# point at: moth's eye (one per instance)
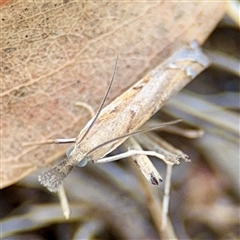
(69, 151)
(81, 163)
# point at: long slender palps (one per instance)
(53, 177)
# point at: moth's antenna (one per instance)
(54, 176)
(103, 101)
(134, 133)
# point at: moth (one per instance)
(114, 123)
(78, 156)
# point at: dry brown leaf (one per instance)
(57, 53)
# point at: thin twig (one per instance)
(166, 196)
(154, 206)
(221, 60)
(196, 106)
(87, 106)
(64, 202)
(233, 9)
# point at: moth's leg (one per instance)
(52, 141)
(129, 153)
(172, 154)
(144, 163)
(132, 152)
(61, 140)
